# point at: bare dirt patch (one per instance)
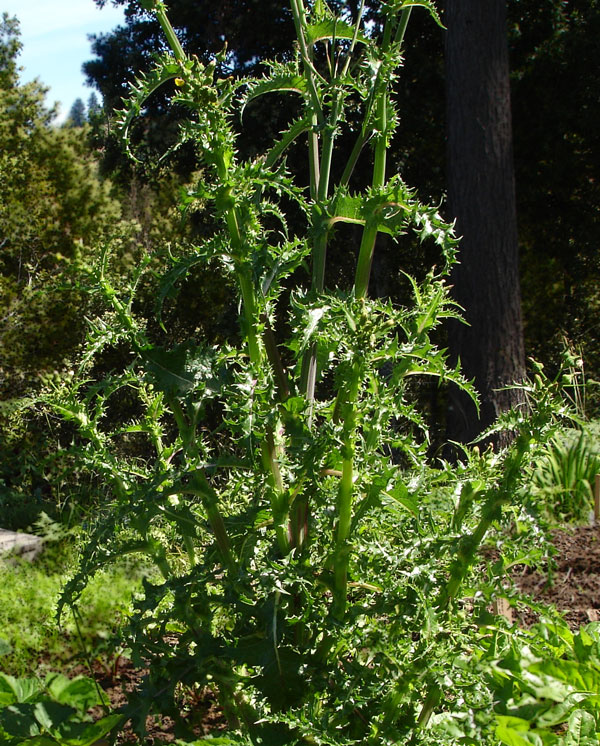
(573, 585)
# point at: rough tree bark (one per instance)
(481, 194)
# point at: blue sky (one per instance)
(55, 44)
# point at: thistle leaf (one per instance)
(141, 89)
(333, 29)
(284, 83)
(427, 4)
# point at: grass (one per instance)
(31, 642)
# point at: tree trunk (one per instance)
(482, 199)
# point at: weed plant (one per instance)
(316, 570)
(565, 475)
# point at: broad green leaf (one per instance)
(577, 675)
(515, 732)
(581, 730)
(86, 734)
(17, 690)
(80, 693)
(561, 711)
(7, 690)
(19, 720)
(51, 715)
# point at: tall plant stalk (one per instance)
(278, 504)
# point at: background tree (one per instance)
(482, 199)
(94, 108)
(77, 114)
(55, 211)
(556, 103)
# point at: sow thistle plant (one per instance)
(305, 576)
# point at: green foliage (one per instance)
(565, 475)
(30, 641)
(546, 683)
(54, 206)
(77, 115)
(54, 712)
(316, 571)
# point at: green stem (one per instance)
(369, 236)
(401, 30)
(169, 31)
(249, 304)
(359, 144)
(200, 486)
(279, 507)
(281, 379)
(345, 498)
(431, 702)
(365, 260)
(327, 152)
(190, 549)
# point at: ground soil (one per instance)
(572, 586)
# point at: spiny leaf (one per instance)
(333, 29)
(427, 4)
(291, 82)
(388, 208)
(141, 89)
(181, 369)
(288, 137)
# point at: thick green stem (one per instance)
(403, 23)
(279, 507)
(365, 261)
(327, 152)
(369, 236)
(169, 31)
(249, 305)
(345, 497)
